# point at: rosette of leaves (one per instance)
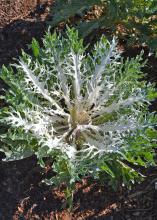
(86, 111)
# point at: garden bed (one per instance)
(22, 195)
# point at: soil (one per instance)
(22, 195)
(20, 20)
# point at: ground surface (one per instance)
(22, 196)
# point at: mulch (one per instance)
(22, 194)
(20, 20)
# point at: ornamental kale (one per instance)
(86, 111)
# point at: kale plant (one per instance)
(88, 111)
(134, 21)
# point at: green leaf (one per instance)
(107, 169)
(35, 47)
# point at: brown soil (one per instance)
(20, 20)
(22, 195)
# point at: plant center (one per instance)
(79, 117)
